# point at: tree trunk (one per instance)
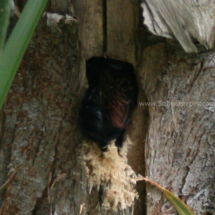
(41, 164)
(179, 89)
(180, 145)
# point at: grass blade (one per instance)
(4, 21)
(17, 44)
(178, 204)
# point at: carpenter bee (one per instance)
(109, 103)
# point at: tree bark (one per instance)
(190, 22)
(180, 143)
(40, 145)
(40, 159)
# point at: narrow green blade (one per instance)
(17, 44)
(178, 204)
(4, 21)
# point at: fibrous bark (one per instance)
(188, 21)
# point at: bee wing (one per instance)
(117, 97)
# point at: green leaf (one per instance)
(4, 21)
(17, 44)
(178, 204)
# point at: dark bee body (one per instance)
(110, 100)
